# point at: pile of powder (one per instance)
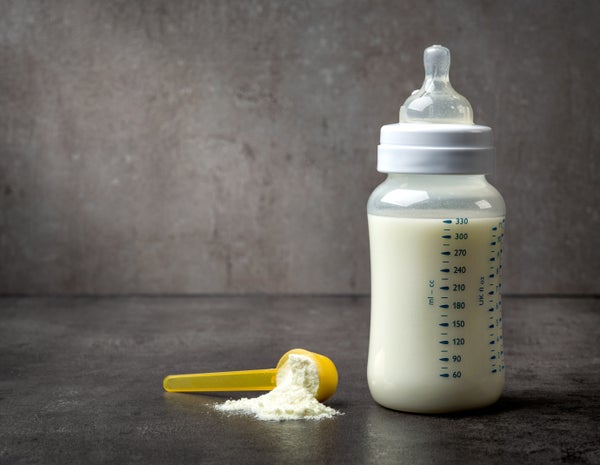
(292, 399)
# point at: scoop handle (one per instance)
(248, 380)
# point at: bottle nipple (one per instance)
(436, 101)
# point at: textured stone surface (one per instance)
(229, 146)
(80, 382)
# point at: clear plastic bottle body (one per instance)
(436, 326)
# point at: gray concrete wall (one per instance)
(229, 146)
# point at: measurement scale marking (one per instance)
(444, 288)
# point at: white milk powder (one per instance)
(292, 399)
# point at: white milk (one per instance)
(436, 326)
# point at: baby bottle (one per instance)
(435, 230)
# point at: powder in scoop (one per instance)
(292, 399)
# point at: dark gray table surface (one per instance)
(80, 382)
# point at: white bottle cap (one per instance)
(436, 134)
(436, 149)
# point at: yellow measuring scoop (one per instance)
(254, 380)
